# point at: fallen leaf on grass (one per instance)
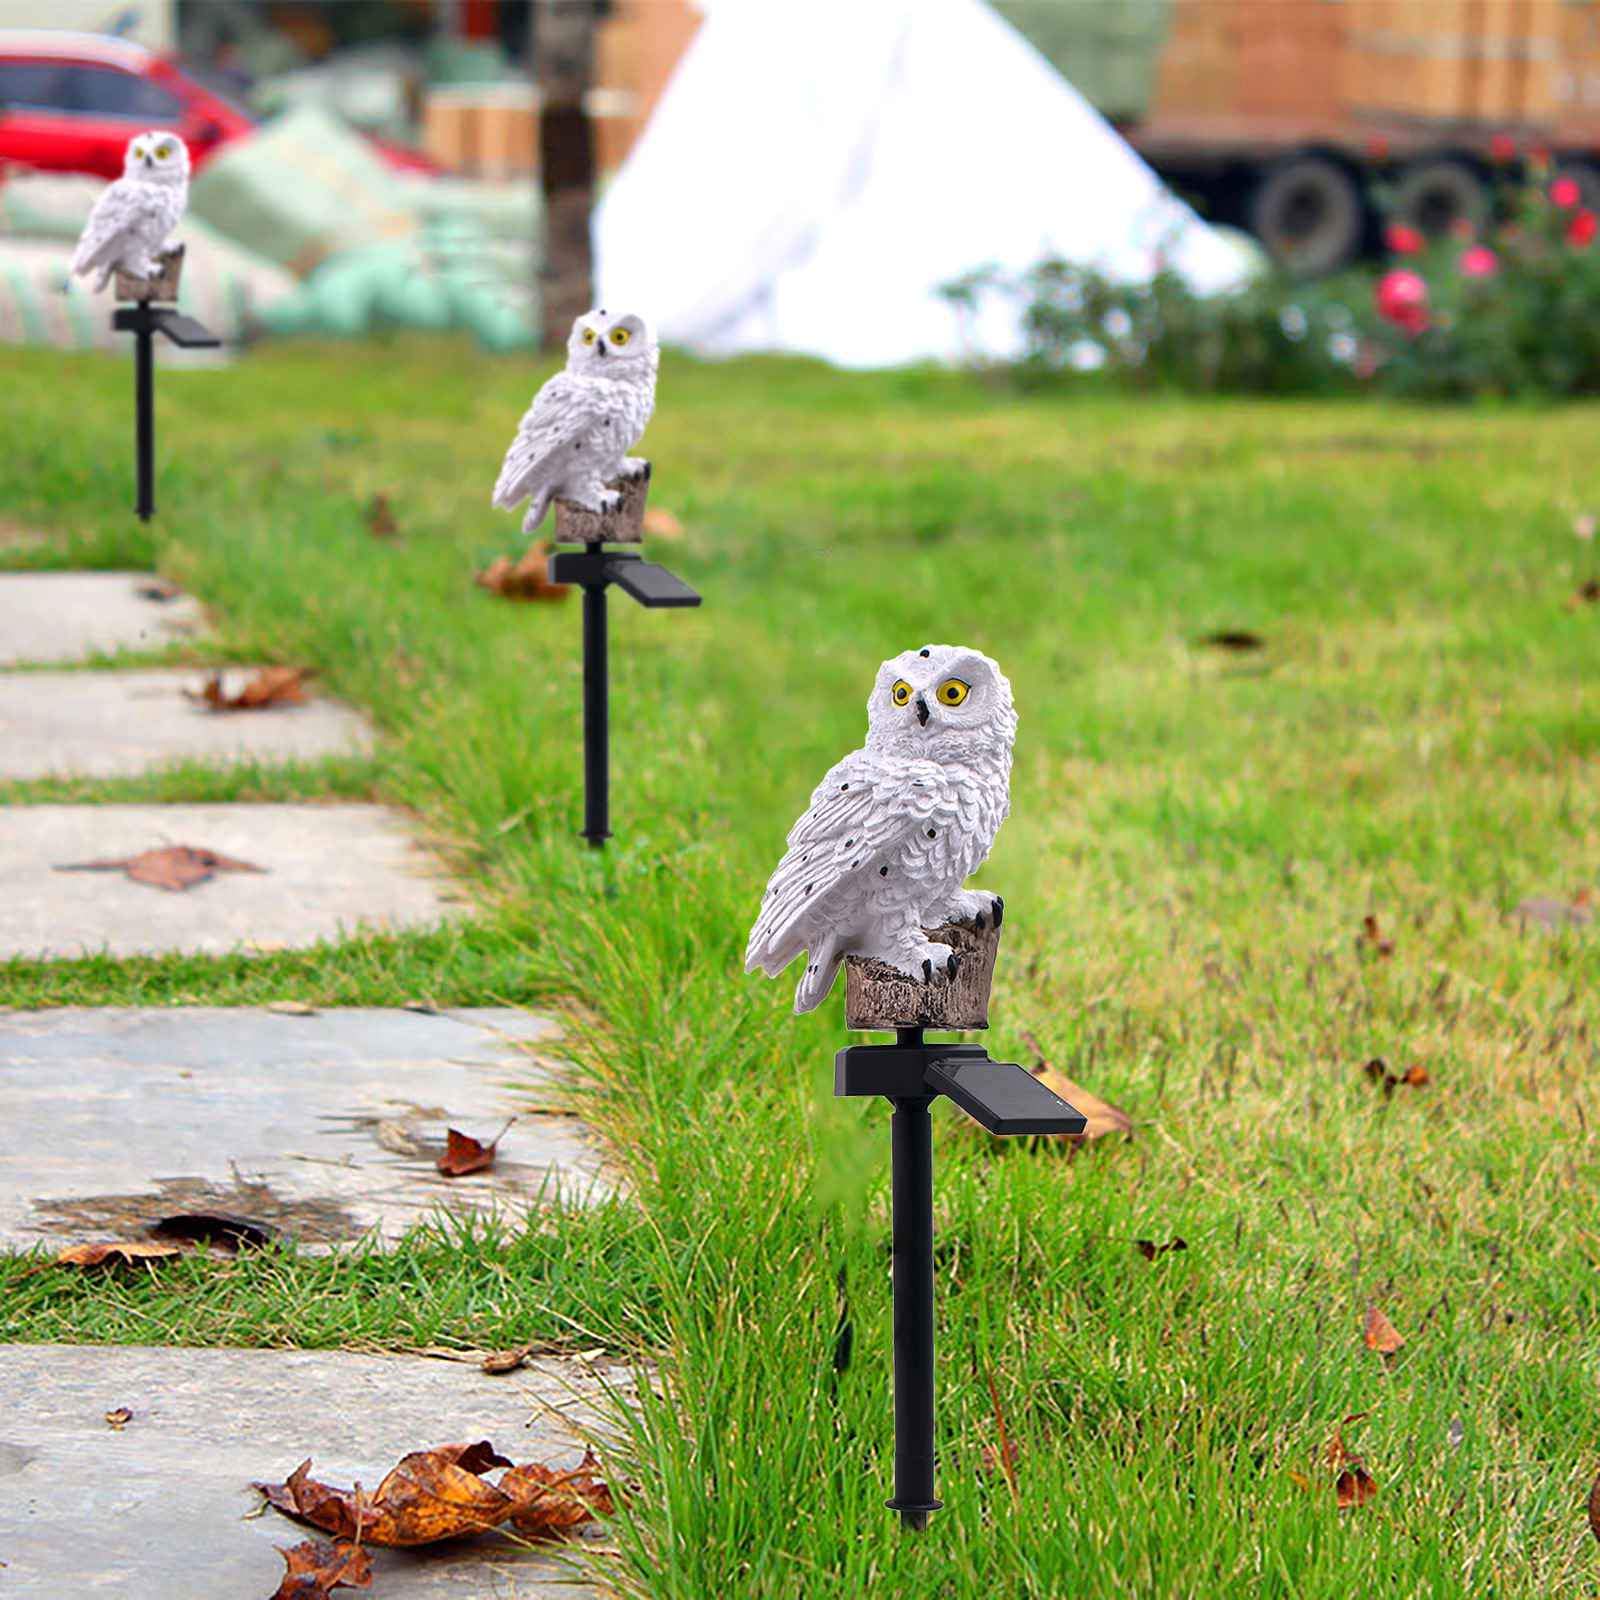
(1380, 1333)
(1353, 1485)
(315, 1569)
(442, 1494)
(1149, 1249)
(119, 1419)
(1585, 594)
(174, 867)
(499, 1362)
(464, 1154)
(527, 579)
(115, 1252)
(1234, 639)
(1594, 1508)
(1372, 938)
(660, 523)
(1100, 1116)
(271, 686)
(1414, 1077)
(380, 518)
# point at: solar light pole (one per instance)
(911, 1074)
(595, 569)
(143, 317)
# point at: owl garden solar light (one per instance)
(572, 449)
(873, 880)
(127, 237)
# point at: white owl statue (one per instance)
(896, 828)
(133, 220)
(576, 435)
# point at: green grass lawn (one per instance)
(1195, 841)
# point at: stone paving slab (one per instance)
(67, 616)
(108, 724)
(321, 1126)
(163, 1508)
(329, 868)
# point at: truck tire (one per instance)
(1434, 194)
(1308, 211)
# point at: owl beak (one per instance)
(600, 349)
(922, 711)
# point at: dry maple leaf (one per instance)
(1353, 1485)
(442, 1494)
(527, 579)
(464, 1154)
(1380, 1333)
(174, 867)
(115, 1252)
(268, 687)
(1100, 1116)
(1149, 1249)
(380, 518)
(315, 1569)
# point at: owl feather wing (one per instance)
(562, 415)
(123, 206)
(863, 810)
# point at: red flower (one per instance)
(1479, 262)
(1403, 239)
(1402, 298)
(1565, 193)
(1503, 149)
(1582, 229)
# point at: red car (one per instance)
(69, 102)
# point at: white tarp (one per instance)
(817, 168)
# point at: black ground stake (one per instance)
(1006, 1099)
(596, 569)
(144, 321)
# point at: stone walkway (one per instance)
(317, 1127)
(327, 870)
(162, 1509)
(113, 724)
(68, 616)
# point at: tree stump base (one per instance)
(163, 287)
(577, 524)
(877, 997)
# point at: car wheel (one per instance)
(1435, 195)
(1309, 213)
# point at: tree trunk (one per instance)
(563, 59)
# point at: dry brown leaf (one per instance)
(1353, 1485)
(1594, 1508)
(269, 687)
(174, 867)
(1414, 1077)
(660, 523)
(499, 1362)
(1149, 1249)
(1241, 639)
(115, 1252)
(527, 579)
(1372, 938)
(442, 1494)
(119, 1419)
(380, 518)
(1585, 594)
(315, 1569)
(464, 1154)
(1100, 1116)
(1380, 1333)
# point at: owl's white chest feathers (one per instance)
(624, 407)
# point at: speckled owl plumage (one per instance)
(133, 220)
(896, 828)
(576, 435)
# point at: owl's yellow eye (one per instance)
(901, 693)
(953, 691)
(588, 335)
(620, 336)
(163, 151)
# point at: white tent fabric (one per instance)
(818, 168)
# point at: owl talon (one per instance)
(999, 910)
(927, 972)
(953, 965)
